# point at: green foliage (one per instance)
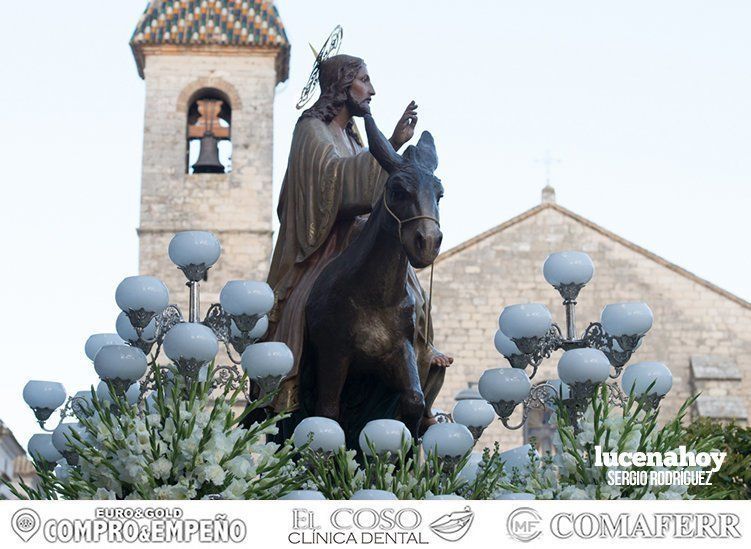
(406, 474)
(733, 480)
(631, 428)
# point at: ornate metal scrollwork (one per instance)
(616, 395)
(195, 273)
(569, 292)
(246, 323)
(617, 349)
(139, 319)
(232, 378)
(148, 383)
(541, 395)
(219, 322)
(536, 349)
(166, 320)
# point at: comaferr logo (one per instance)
(640, 525)
(524, 524)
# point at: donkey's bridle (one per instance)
(429, 300)
(401, 222)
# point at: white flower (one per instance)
(170, 492)
(567, 462)
(161, 468)
(587, 434)
(632, 441)
(574, 492)
(235, 490)
(610, 492)
(103, 493)
(240, 466)
(213, 473)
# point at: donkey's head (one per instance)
(411, 195)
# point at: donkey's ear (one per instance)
(381, 148)
(425, 152)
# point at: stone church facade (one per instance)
(700, 331)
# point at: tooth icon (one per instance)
(25, 523)
(453, 526)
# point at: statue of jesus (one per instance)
(329, 188)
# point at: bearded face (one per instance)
(344, 81)
(359, 93)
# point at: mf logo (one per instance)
(524, 524)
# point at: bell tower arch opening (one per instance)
(208, 147)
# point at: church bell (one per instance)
(208, 156)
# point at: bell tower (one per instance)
(211, 68)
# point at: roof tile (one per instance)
(239, 23)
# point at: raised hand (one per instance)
(405, 128)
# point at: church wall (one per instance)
(237, 206)
(472, 287)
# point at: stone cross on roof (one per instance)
(548, 193)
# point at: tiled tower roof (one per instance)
(200, 23)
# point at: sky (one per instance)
(645, 104)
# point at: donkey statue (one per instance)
(360, 315)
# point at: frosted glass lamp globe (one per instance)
(127, 332)
(568, 268)
(63, 430)
(447, 440)
(626, 319)
(504, 385)
(267, 359)
(638, 377)
(504, 345)
(120, 363)
(583, 365)
(246, 297)
(97, 341)
(190, 345)
(385, 435)
(141, 297)
(327, 434)
(40, 448)
(44, 396)
(304, 495)
(525, 321)
(473, 413)
(104, 395)
(194, 252)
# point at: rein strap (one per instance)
(428, 302)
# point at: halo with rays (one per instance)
(330, 47)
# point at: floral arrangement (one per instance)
(185, 441)
(406, 474)
(572, 474)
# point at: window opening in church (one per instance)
(209, 143)
(539, 428)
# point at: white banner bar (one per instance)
(274, 524)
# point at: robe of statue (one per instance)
(330, 185)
